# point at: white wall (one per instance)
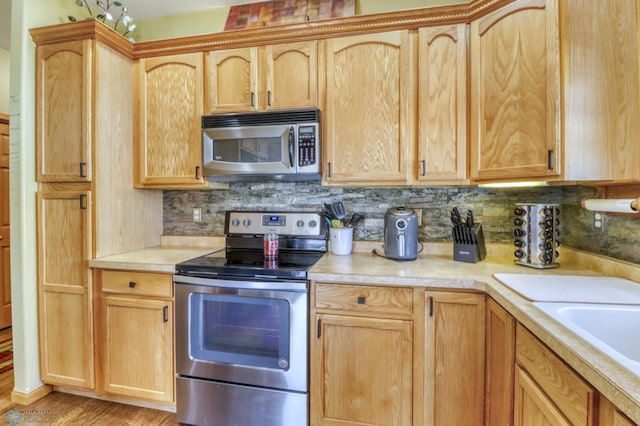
(5, 63)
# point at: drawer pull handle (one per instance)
(361, 300)
(165, 314)
(430, 306)
(132, 284)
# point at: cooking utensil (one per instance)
(355, 220)
(338, 209)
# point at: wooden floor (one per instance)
(65, 409)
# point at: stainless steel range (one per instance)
(242, 323)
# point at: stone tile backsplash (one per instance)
(618, 238)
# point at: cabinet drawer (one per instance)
(571, 394)
(363, 299)
(137, 283)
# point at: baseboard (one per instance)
(31, 397)
(171, 408)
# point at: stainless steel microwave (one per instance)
(261, 146)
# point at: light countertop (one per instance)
(434, 268)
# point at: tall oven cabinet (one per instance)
(86, 204)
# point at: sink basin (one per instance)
(612, 329)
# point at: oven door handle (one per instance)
(272, 285)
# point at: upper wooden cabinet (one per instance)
(515, 92)
(273, 77)
(551, 101)
(64, 131)
(442, 104)
(168, 136)
(368, 120)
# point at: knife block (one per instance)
(470, 249)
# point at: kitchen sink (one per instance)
(611, 328)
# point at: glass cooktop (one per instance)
(251, 264)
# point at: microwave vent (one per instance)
(260, 118)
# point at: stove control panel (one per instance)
(283, 223)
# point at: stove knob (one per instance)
(300, 223)
(246, 222)
(313, 224)
(235, 222)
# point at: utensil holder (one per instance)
(468, 244)
(536, 235)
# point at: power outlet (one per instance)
(197, 214)
(598, 221)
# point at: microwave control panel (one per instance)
(307, 145)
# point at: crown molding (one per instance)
(361, 24)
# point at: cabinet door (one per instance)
(515, 92)
(454, 358)
(232, 80)
(367, 123)
(569, 393)
(65, 316)
(137, 343)
(501, 358)
(532, 406)
(291, 75)
(5, 233)
(442, 103)
(63, 106)
(361, 371)
(169, 132)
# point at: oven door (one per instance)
(251, 333)
(251, 150)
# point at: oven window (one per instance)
(240, 330)
(248, 150)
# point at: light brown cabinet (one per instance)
(262, 78)
(168, 133)
(136, 334)
(64, 93)
(549, 101)
(546, 389)
(500, 342)
(64, 287)
(515, 92)
(454, 358)
(361, 355)
(368, 115)
(83, 211)
(442, 105)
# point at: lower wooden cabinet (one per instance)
(546, 388)
(500, 342)
(64, 286)
(454, 358)
(361, 355)
(136, 335)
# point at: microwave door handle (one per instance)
(291, 145)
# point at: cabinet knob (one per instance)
(361, 300)
(132, 284)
